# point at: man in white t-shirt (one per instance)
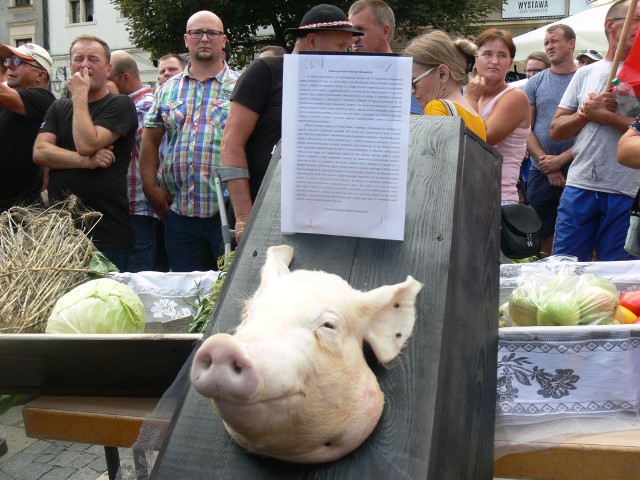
(594, 208)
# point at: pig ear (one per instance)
(275, 265)
(392, 315)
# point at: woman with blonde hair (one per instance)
(505, 109)
(441, 68)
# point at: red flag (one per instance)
(630, 70)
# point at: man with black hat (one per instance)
(254, 124)
(23, 102)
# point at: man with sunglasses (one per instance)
(23, 102)
(191, 108)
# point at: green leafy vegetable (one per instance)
(98, 306)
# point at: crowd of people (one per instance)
(145, 160)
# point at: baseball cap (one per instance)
(591, 53)
(29, 51)
(324, 17)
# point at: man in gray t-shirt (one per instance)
(550, 160)
(594, 207)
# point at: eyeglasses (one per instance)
(421, 76)
(635, 19)
(17, 61)
(533, 70)
(211, 34)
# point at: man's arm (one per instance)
(149, 163)
(533, 144)
(595, 108)
(629, 149)
(241, 123)
(87, 137)
(47, 154)
(11, 100)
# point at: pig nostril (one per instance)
(237, 368)
(398, 335)
(327, 444)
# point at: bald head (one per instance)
(124, 72)
(207, 17)
(205, 40)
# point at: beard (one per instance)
(206, 56)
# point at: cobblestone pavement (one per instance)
(34, 459)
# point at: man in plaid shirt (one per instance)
(192, 109)
(126, 76)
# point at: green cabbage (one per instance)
(98, 306)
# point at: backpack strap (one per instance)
(451, 108)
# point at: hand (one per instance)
(80, 82)
(549, 163)
(475, 88)
(594, 106)
(556, 179)
(159, 199)
(103, 158)
(241, 223)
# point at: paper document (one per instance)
(345, 144)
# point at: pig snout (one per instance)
(223, 370)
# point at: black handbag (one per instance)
(519, 237)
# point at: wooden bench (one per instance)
(115, 422)
(110, 421)
(610, 456)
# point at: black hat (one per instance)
(325, 17)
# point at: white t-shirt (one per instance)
(595, 165)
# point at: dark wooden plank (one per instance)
(440, 395)
(142, 365)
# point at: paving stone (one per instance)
(95, 449)
(57, 473)
(83, 474)
(37, 447)
(28, 471)
(16, 463)
(53, 449)
(82, 460)
(44, 458)
(65, 458)
(98, 465)
(6, 476)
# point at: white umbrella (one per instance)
(589, 28)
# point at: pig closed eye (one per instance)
(329, 325)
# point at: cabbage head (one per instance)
(98, 306)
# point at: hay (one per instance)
(43, 255)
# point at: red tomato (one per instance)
(631, 300)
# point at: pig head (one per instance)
(292, 382)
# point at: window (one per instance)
(80, 11)
(22, 41)
(22, 3)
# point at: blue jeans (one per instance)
(144, 251)
(118, 256)
(589, 220)
(193, 244)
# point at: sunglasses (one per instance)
(591, 51)
(17, 61)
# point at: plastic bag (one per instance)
(563, 299)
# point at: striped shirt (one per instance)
(138, 203)
(194, 114)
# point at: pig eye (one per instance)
(329, 325)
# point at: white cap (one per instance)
(29, 51)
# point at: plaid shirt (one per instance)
(194, 114)
(138, 203)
